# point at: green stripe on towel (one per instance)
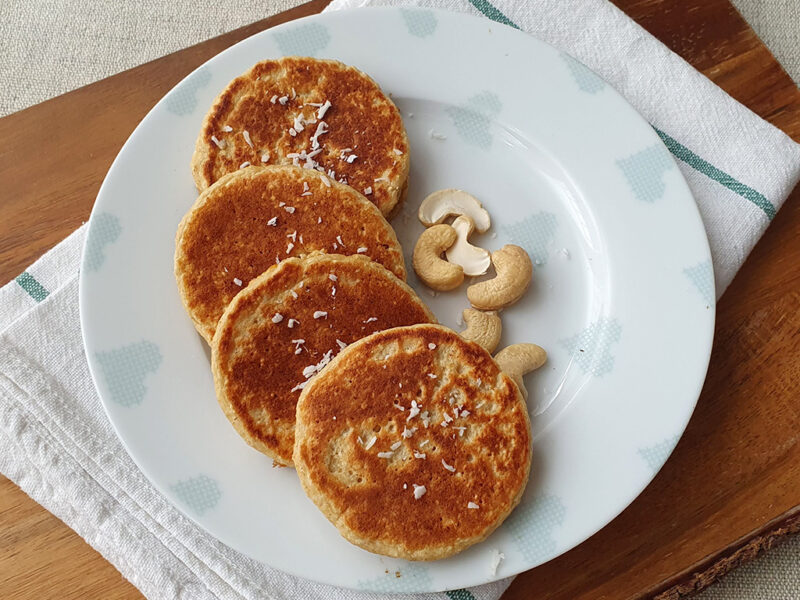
(712, 172)
(33, 287)
(492, 12)
(460, 595)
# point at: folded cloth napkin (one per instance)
(57, 444)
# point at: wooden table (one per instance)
(730, 490)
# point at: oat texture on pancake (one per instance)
(413, 443)
(287, 325)
(317, 114)
(256, 217)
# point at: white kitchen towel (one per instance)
(57, 444)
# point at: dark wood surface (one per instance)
(732, 486)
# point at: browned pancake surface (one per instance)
(361, 121)
(258, 369)
(368, 392)
(251, 219)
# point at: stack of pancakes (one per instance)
(408, 438)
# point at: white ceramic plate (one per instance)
(622, 297)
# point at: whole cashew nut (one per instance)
(444, 203)
(518, 359)
(483, 328)
(431, 268)
(514, 272)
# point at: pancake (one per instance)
(362, 449)
(364, 143)
(269, 344)
(251, 219)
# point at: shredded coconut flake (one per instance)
(464, 413)
(319, 314)
(332, 277)
(370, 443)
(423, 443)
(220, 143)
(237, 281)
(273, 222)
(289, 247)
(420, 455)
(274, 98)
(431, 346)
(460, 430)
(244, 164)
(497, 557)
(398, 152)
(367, 190)
(395, 446)
(227, 128)
(450, 468)
(381, 179)
(419, 491)
(432, 376)
(407, 433)
(277, 318)
(385, 454)
(265, 157)
(472, 505)
(292, 131)
(326, 181)
(339, 239)
(289, 209)
(323, 109)
(246, 136)
(342, 345)
(371, 319)
(293, 322)
(361, 250)
(299, 386)
(283, 100)
(351, 159)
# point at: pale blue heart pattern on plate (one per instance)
(104, 230)
(183, 100)
(303, 40)
(199, 493)
(413, 577)
(535, 233)
(586, 79)
(125, 370)
(702, 276)
(533, 525)
(473, 120)
(645, 172)
(591, 348)
(420, 23)
(657, 455)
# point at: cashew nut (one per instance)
(483, 328)
(440, 205)
(518, 359)
(514, 271)
(431, 268)
(474, 260)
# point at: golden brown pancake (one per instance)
(253, 121)
(269, 343)
(251, 219)
(385, 418)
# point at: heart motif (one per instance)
(535, 233)
(304, 40)
(125, 369)
(199, 493)
(533, 525)
(183, 100)
(473, 120)
(586, 79)
(655, 456)
(645, 172)
(420, 23)
(702, 276)
(413, 577)
(591, 348)
(104, 230)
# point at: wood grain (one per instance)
(731, 488)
